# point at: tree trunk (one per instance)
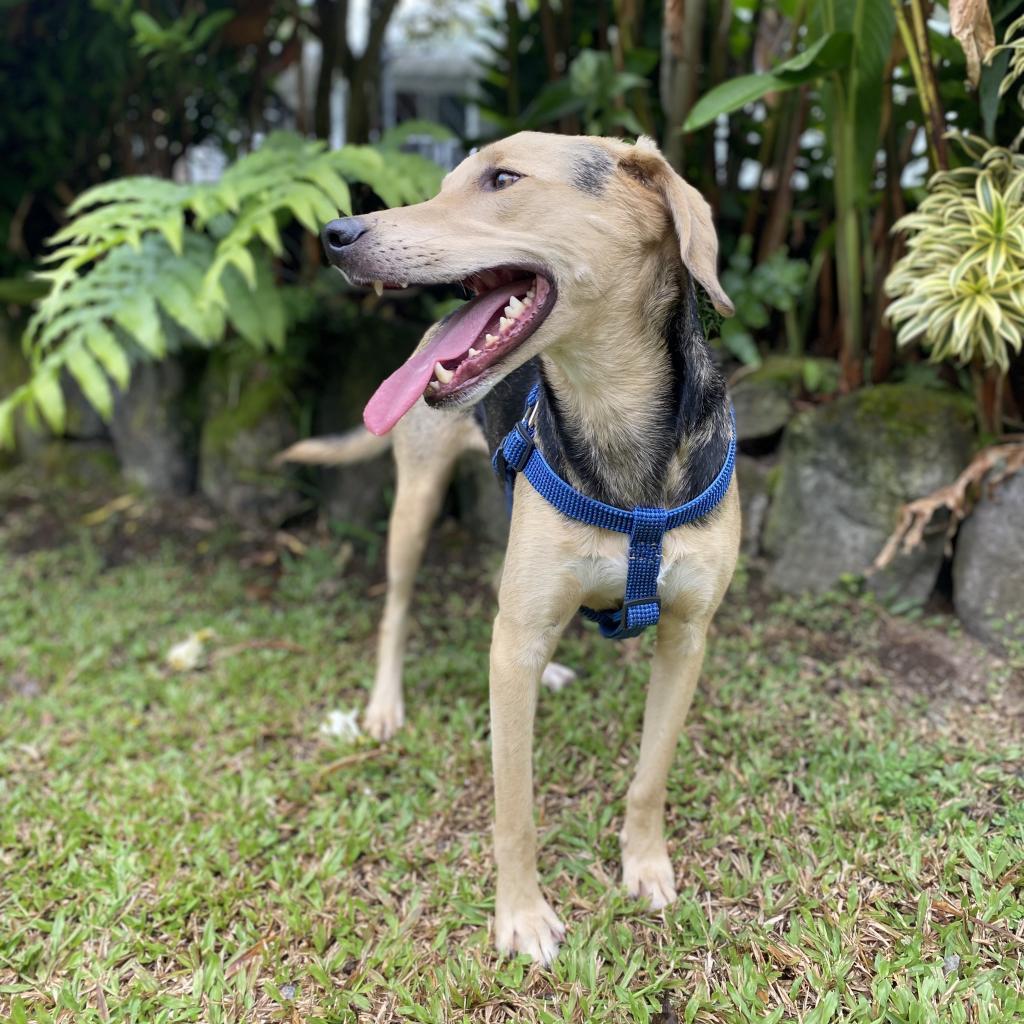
(681, 38)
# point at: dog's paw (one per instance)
(650, 878)
(382, 721)
(556, 676)
(533, 929)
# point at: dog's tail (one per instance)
(357, 445)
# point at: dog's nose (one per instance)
(341, 233)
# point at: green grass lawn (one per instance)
(845, 815)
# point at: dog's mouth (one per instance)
(508, 305)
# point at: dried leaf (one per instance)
(971, 23)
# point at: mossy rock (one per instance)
(151, 430)
(763, 398)
(251, 415)
(69, 465)
(846, 470)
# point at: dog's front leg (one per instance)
(520, 647)
(646, 868)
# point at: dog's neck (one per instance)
(637, 414)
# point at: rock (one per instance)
(150, 428)
(480, 498)
(763, 398)
(70, 465)
(81, 422)
(28, 440)
(988, 567)
(358, 495)
(754, 477)
(250, 417)
(845, 471)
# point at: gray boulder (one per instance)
(358, 495)
(763, 398)
(754, 477)
(149, 429)
(988, 568)
(845, 471)
(480, 498)
(250, 416)
(81, 421)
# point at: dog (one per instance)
(583, 255)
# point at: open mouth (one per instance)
(508, 305)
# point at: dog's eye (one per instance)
(502, 179)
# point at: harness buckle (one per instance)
(528, 445)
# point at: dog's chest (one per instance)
(686, 577)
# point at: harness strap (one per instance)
(646, 527)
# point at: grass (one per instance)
(846, 812)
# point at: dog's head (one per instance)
(544, 231)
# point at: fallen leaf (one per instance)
(187, 655)
(342, 725)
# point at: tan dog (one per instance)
(581, 253)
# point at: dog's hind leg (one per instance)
(646, 868)
(426, 446)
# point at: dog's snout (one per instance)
(341, 233)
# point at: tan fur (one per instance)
(335, 450)
(603, 356)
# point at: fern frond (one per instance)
(142, 258)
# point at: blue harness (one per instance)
(645, 527)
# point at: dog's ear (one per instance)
(691, 215)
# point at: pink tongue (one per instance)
(400, 392)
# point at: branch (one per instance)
(1005, 459)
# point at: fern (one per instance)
(142, 258)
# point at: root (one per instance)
(1001, 460)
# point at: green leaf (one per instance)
(105, 347)
(22, 291)
(139, 316)
(829, 53)
(395, 138)
(7, 436)
(49, 397)
(91, 380)
(172, 228)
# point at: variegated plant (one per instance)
(959, 290)
(1013, 41)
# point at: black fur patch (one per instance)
(700, 399)
(497, 412)
(696, 414)
(590, 170)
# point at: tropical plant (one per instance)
(959, 290)
(1013, 47)
(774, 284)
(143, 259)
(593, 90)
(847, 47)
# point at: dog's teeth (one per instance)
(434, 386)
(489, 340)
(503, 323)
(443, 375)
(515, 305)
(378, 287)
(473, 352)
